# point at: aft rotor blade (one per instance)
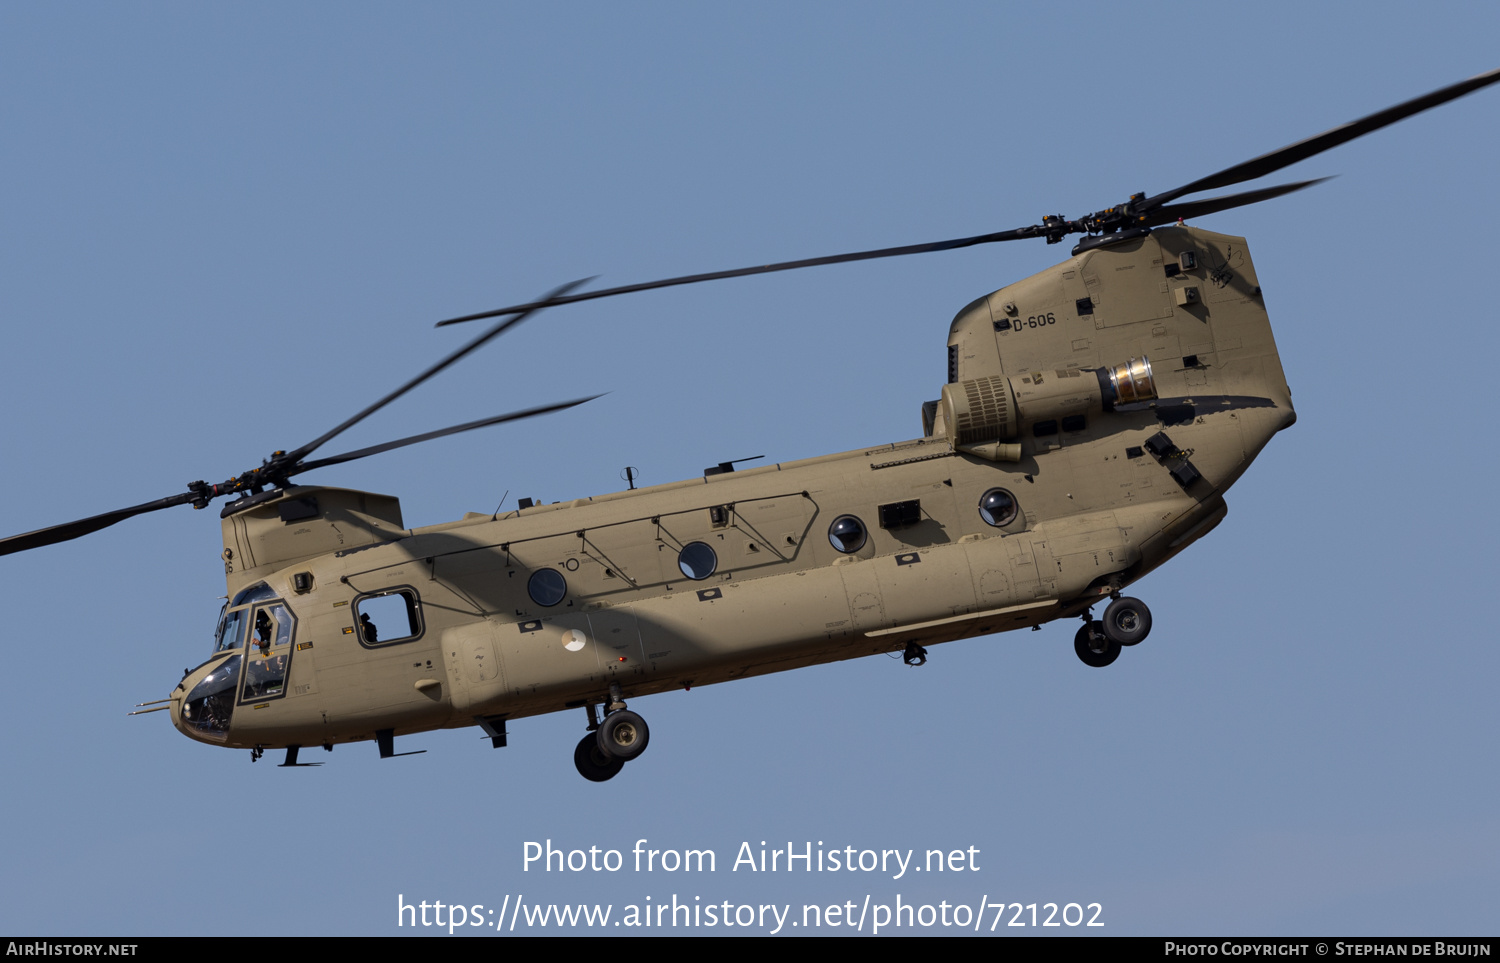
(84, 526)
(428, 436)
(1303, 149)
(552, 297)
(954, 244)
(1140, 212)
(1212, 205)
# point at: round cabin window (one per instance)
(998, 507)
(847, 534)
(697, 561)
(547, 587)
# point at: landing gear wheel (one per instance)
(593, 764)
(1094, 647)
(1127, 621)
(623, 735)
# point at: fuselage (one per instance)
(342, 623)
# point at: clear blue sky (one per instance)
(224, 229)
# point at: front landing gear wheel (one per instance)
(1093, 647)
(1127, 621)
(623, 735)
(594, 765)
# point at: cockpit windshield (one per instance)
(210, 706)
(256, 632)
(252, 593)
(231, 634)
(234, 619)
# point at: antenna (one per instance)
(724, 467)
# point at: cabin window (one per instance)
(547, 587)
(697, 561)
(847, 534)
(388, 617)
(998, 507)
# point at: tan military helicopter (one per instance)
(1093, 418)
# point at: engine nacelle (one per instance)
(985, 416)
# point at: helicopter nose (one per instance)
(203, 703)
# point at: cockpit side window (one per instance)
(271, 627)
(269, 655)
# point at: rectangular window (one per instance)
(391, 616)
(268, 656)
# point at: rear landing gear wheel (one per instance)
(1127, 621)
(592, 763)
(1094, 647)
(623, 735)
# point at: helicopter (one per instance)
(1093, 417)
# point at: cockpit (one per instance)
(255, 633)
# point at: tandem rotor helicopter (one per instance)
(1093, 417)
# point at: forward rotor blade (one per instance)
(1303, 149)
(954, 244)
(1212, 205)
(552, 297)
(428, 436)
(84, 526)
